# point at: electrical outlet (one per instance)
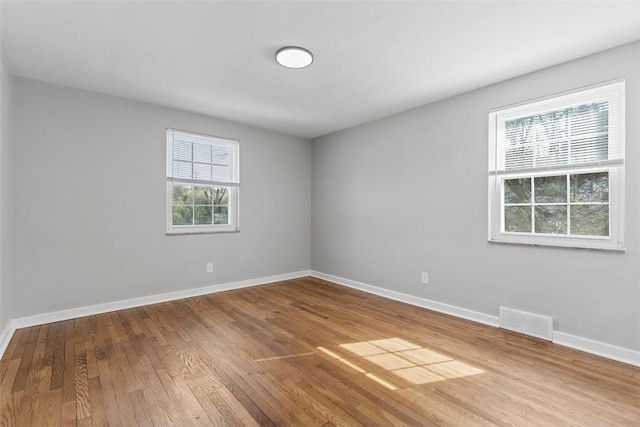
(425, 278)
(209, 267)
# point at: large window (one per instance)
(202, 183)
(556, 170)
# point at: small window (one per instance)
(556, 170)
(202, 183)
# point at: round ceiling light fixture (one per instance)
(294, 57)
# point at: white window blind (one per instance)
(576, 130)
(202, 160)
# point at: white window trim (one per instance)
(616, 170)
(233, 185)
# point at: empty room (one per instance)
(319, 213)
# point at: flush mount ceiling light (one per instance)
(294, 57)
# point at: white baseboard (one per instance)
(57, 316)
(608, 351)
(5, 336)
(598, 348)
(413, 300)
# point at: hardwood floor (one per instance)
(302, 353)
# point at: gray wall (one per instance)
(408, 193)
(89, 202)
(5, 195)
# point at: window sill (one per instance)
(620, 250)
(186, 232)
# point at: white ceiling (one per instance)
(372, 59)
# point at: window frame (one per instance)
(233, 184)
(615, 169)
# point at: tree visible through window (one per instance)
(569, 204)
(197, 205)
(556, 168)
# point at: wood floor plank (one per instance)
(91, 344)
(10, 411)
(18, 343)
(303, 352)
(98, 414)
(57, 345)
(9, 377)
(68, 376)
(68, 413)
(53, 408)
(26, 359)
(205, 411)
(83, 403)
(107, 393)
(182, 406)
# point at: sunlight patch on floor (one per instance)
(358, 369)
(284, 357)
(409, 361)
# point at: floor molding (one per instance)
(73, 313)
(597, 348)
(413, 300)
(5, 336)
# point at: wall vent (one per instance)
(531, 324)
